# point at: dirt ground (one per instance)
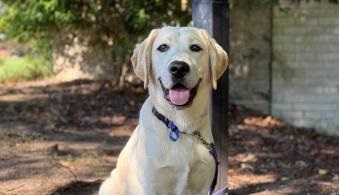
(63, 139)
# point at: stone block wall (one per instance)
(83, 54)
(305, 85)
(250, 57)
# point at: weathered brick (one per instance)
(249, 68)
(328, 21)
(303, 122)
(282, 107)
(293, 114)
(305, 68)
(283, 39)
(314, 115)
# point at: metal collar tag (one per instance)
(174, 133)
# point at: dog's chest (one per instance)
(182, 165)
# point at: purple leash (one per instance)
(214, 154)
(174, 135)
(223, 191)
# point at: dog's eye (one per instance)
(195, 48)
(163, 48)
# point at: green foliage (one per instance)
(33, 19)
(40, 19)
(121, 20)
(143, 15)
(331, 1)
(255, 3)
(117, 24)
(24, 68)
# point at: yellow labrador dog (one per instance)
(169, 151)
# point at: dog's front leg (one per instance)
(110, 187)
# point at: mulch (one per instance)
(78, 129)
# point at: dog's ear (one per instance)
(142, 57)
(218, 58)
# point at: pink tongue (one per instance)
(179, 96)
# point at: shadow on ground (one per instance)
(267, 156)
(64, 139)
(79, 188)
(58, 136)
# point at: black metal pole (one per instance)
(213, 15)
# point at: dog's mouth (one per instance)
(179, 94)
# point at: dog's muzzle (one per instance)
(179, 95)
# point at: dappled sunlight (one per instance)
(76, 131)
(55, 134)
(60, 136)
(237, 180)
(268, 122)
(21, 98)
(267, 156)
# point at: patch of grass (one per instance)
(24, 68)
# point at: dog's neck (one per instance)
(191, 118)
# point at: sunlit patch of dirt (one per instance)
(265, 122)
(55, 138)
(268, 156)
(64, 139)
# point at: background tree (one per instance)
(117, 24)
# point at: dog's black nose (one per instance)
(179, 69)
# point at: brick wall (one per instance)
(305, 90)
(250, 57)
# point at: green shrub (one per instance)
(124, 21)
(24, 68)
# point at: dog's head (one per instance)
(177, 61)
